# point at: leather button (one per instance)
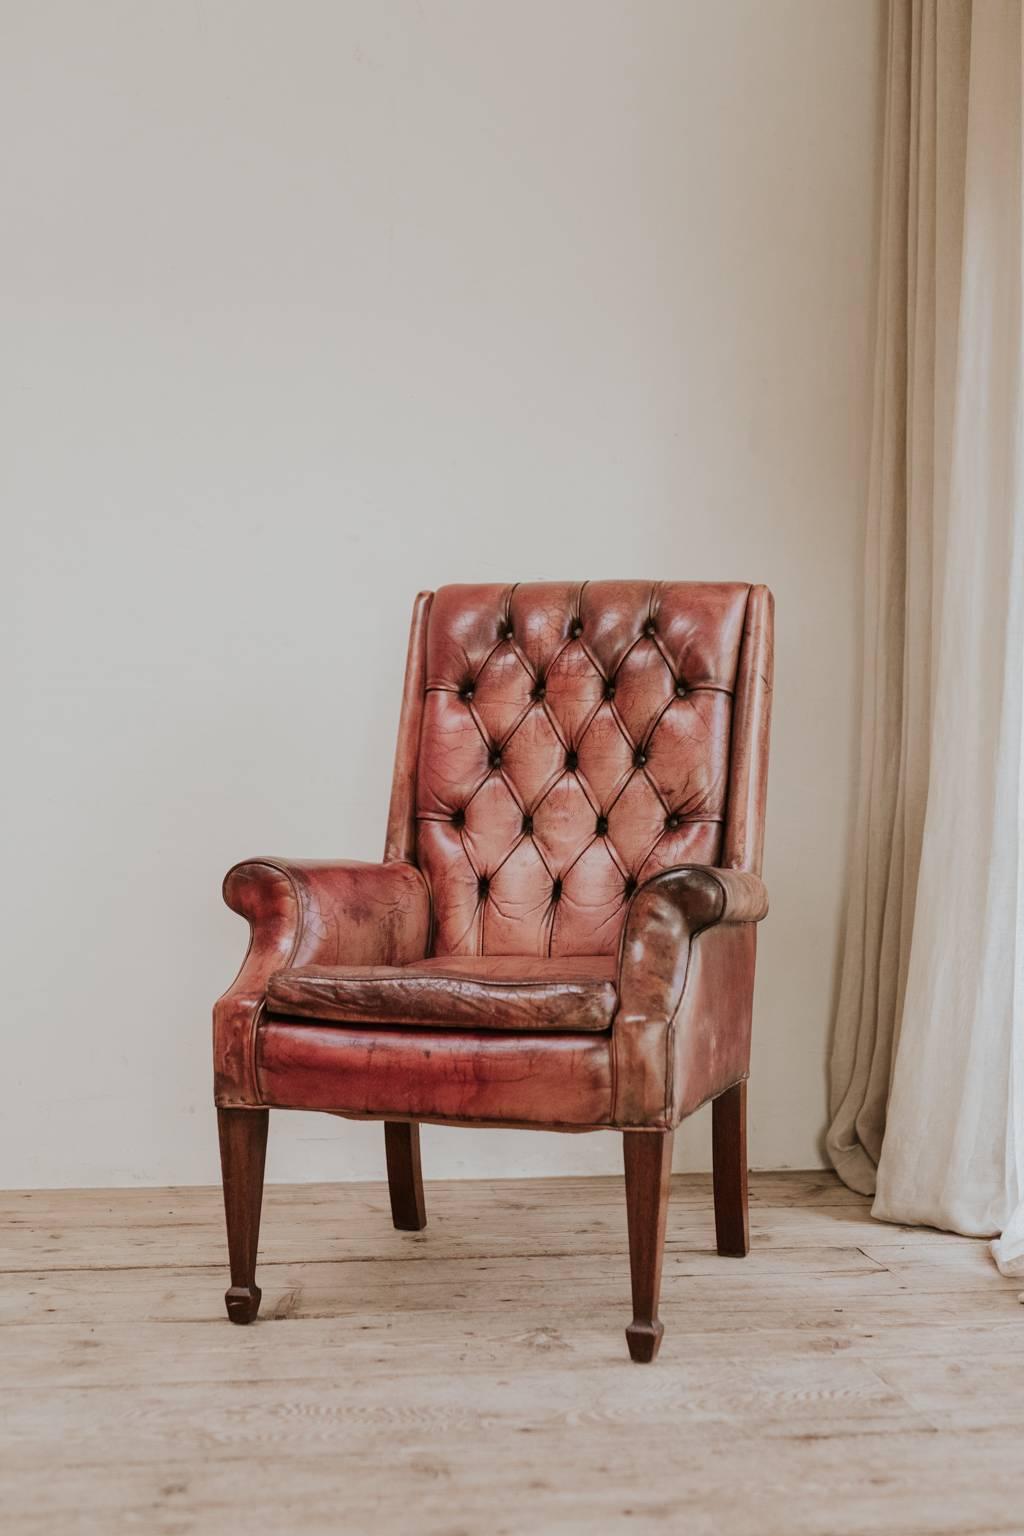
(649, 629)
(639, 757)
(602, 825)
(466, 691)
(576, 630)
(681, 689)
(572, 760)
(483, 885)
(527, 825)
(556, 891)
(539, 690)
(458, 818)
(505, 632)
(609, 689)
(495, 757)
(673, 821)
(630, 886)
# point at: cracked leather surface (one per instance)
(508, 992)
(575, 741)
(563, 931)
(301, 913)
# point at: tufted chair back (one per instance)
(560, 743)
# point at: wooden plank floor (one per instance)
(847, 1377)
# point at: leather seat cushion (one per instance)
(493, 992)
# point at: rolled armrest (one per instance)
(665, 916)
(319, 913)
(309, 913)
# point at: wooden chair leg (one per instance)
(648, 1157)
(729, 1156)
(405, 1181)
(243, 1152)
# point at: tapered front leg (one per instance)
(243, 1152)
(648, 1156)
(405, 1180)
(729, 1156)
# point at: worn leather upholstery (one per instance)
(575, 741)
(306, 912)
(563, 930)
(557, 1081)
(508, 992)
(686, 970)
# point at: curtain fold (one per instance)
(926, 1072)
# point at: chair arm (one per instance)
(308, 913)
(665, 916)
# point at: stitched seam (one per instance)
(437, 1026)
(482, 1121)
(322, 982)
(673, 1017)
(416, 776)
(670, 1077)
(730, 795)
(261, 1008)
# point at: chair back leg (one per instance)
(729, 1154)
(405, 1180)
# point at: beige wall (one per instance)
(309, 305)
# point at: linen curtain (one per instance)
(927, 1071)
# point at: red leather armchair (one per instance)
(562, 932)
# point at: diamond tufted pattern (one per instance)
(574, 742)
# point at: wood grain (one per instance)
(405, 1176)
(243, 1156)
(731, 1178)
(648, 1167)
(848, 1378)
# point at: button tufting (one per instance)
(540, 720)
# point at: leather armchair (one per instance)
(562, 933)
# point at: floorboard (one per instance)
(847, 1378)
